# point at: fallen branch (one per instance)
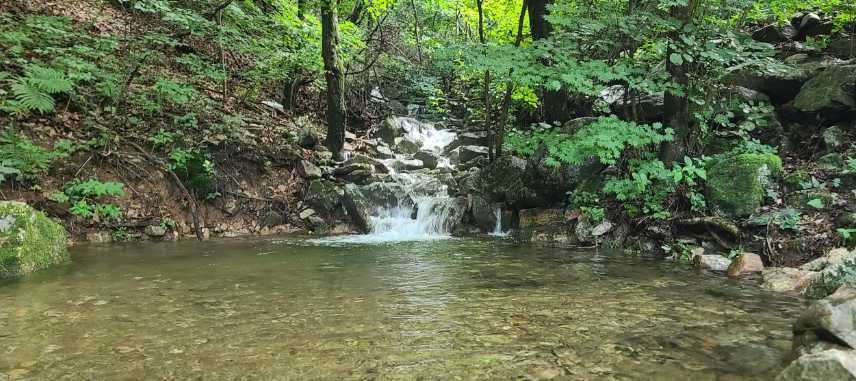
(711, 223)
(190, 199)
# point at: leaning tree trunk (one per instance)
(334, 73)
(677, 107)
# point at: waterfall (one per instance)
(497, 229)
(422, 209)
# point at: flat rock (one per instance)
(782, 279)
(711, 262)
(307, 170)
(745, 263)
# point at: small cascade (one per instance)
(497, 229)
(415, 205)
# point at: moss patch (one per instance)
(29, 240)
(737, 185)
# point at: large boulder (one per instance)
(358, 208)
(832, 92)
(832, 277)
(469, 153)
(406, 146)
(428, 158)
(325, 197)
(387, 195)
(737, 185)
(782, 279)
(832, 319)
(307, 170)
(29, 240)
(393, 127)
(484, 213)
(480, 138)
(648, 107)
(828, 365)
(770, 34)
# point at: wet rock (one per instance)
(324, 196)
(832, 319)
(711, 262)
(484, 213)
(745, 263)
(349, 167)
(387, 195)
(737, 185)
(29, 240)
(480, 138)
(272, 218)
(823, 366)
(539, 217)
(307, 170)
(832, 277)
(469, 153)
(830, 92)
(429, 159)
(769, 34)
(358, 208)
(783, 279)
(407, 164)
(307, 213)
(156, 231)
(394, 127)
(383, 152)
(406, 146)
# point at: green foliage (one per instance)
(34, 90)
(121, 234)
(21, 158)
(86, 199)
(815, 203)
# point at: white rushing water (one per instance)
(497, 229)
(427, 210)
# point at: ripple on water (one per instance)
(339, 309)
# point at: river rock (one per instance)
(307, 213)
(479, 138)
(468, 153)
(540, 217)
(358, 208)
(711, 262)
(29, 240)
(832, 319)
(407, 164)
(307, 170)
(383, 152)
(324, 196)
(736, 186)
(745, 263)
(831, 92)
(394, 127)
(823, 366)
(406, 146)
(484, 213)
(387, 195)
(782, 279)
(156, 231)
(428, 158)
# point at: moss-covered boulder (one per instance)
(29, 240)
(737, 185)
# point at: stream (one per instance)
(295, 308)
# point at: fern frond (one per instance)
(46, 79)
(32, 97)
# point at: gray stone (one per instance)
(405, 146)
(769, 34)
(307, 213)
(324, 196)
(407, 164)
(783, 279)
(604, 227)
(831, 91)
(468, 153)
(712, 262)
(484, 213)
(271, 219)
(832, 319)
(834, 137)
(383, 152)
(155, 231)
(822, 366)
(479, 138)
(428, 158)
(649, 107)
(358, 208)
(307, 170)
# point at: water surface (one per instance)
(291, 309)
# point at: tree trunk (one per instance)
(334, 73)
(677, 108)
(300, 5)
(502, 118)
(486, 91)
(416, 31)
(554, 103)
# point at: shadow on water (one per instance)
(292, 308)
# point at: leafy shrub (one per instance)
(86, 199)
(21, 158)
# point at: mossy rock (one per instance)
(737, 185)
(794, 181)
(833, 277)
(29, 240)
